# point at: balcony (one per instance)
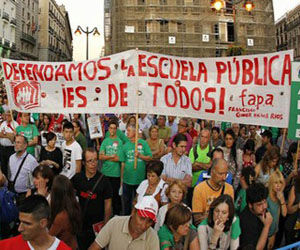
(13, 46)
(28, 38)
(5, 16)
(13, 21)
(6, 43)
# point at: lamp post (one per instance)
(79, 31)
(218, 5)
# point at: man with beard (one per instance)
(255, 220)
(207, 191)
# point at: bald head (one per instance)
(219, 170)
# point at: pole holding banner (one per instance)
(136, 129)
(296, 158)
(283, 141)
(136, 138)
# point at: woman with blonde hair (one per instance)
(268, 164)
(177, 231)
(175, 192)
(157, 146)
(276, 203)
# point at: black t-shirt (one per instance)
(95, 208)
(259, 154)
(251, 228)
(55, 156)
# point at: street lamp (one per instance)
(79, 31)
(220, 4)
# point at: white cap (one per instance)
(147, 207)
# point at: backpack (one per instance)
(8, 207)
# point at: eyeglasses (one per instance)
(92, 161)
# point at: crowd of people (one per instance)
(182, 184)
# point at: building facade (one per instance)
(288, 32)
(27, 30)
(55, 32)
(8, 24)
(188, 27)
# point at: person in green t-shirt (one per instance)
(247, 177)
(120, 135)
(29, 131)
(177, 229)
(203, 160)
(111, 155)
(132, 176)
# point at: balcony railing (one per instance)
(28, 38)
(6, 43)
(13, 46)
(5, 16)
(13, 21)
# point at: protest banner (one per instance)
(294, 121)
(95, 128)
(252, 89)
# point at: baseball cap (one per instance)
(147, 207)
(267, 133)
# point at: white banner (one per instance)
(252, 89)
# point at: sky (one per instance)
(90, 13)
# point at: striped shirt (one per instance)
(179, 170)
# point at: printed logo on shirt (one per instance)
(115, 144)
(140, 147)
(67, 160)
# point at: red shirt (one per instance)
(56, 124)
(193, 133)
(17, 243)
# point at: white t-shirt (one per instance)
(7, 129)
(162, 185)
(52, 247)
(71, 153)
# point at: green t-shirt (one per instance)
(135, 176)
(240, 202)
(80, 138)
(225, 126)
(120, 134)
(166, 238)
(29, 132)
(164, 133)
(202, 157)
(111, 147)
(1, 109)
(35, 116)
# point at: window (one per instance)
(250, 30)
(164, 26)
(181, 27)
(230, 32)
(218, 52)
(197, 28)
(216, 31)
(229, 6)
(141, 26)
